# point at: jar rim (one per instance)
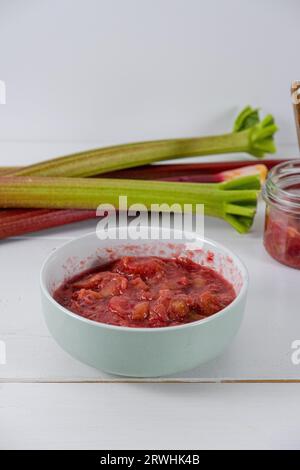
(277, 188)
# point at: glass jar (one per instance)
(281, 193)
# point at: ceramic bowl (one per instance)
(141, 352)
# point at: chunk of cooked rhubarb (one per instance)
(140, 311)
(141, 266)
(121, 305)
(178, 307)
(106, 283)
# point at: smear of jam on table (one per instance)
(146, 292)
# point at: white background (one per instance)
(86, 73)
(114, 71)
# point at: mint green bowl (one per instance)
(141, 352)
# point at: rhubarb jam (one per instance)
(146, 292)
(282, 223)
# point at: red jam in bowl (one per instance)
(146, 292)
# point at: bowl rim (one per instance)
(128, 329)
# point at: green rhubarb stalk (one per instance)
(249, 135)
(234, 201)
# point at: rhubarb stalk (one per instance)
(188, 170)
(247, 127)
(15, 222)
(234, 201)
(250, 135)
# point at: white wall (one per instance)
(119, 70)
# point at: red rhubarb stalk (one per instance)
(161, 171)
(16, 222)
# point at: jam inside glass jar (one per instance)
(281, 193)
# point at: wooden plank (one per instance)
(141, 416)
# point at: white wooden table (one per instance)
(247, 398)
